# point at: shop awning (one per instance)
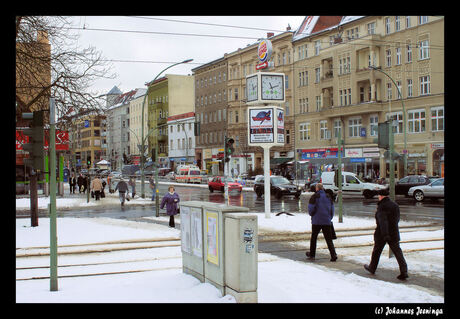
(280, 160)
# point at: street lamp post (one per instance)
(143, 141)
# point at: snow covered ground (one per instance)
(279, 280)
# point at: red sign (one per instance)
(262, 65)
(62, 140)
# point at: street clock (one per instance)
(265, 88)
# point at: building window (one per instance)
(317, 47)
(318, 103)
(397, 23)
(416, 121)
(389, 91)
(425, 85)
(387, 25)
(409, 54)
(408, 24)
(371, 28)
(354, 127)
(437, 118)
(424, 52)
(398, 56)
(322, 129)
(373, 125)
(388, 57)
(304, 130)
(422, 19)
(317, 75)
(409, 88)
(337, 128)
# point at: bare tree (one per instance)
(48, 63)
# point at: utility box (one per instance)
(219, 246)
(241, 247)
(191, 225)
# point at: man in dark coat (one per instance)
(321, 210)
(80, 181)
(387, 231)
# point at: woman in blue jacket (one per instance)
(321, 210)
(171, 199)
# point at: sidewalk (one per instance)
(280, 280)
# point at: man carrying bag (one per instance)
(321, 210)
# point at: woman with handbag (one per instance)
(321, 210)
(171, 200)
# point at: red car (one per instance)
(218, 183)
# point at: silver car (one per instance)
(433, 190)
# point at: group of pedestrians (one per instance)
(321, 210)
(81, 181)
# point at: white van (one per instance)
(351, 184)
(188, 174)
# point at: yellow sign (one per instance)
(212, 236)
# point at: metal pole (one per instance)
(53, 226)
(267, 181)
(339, 171)
(157, 197)
(392, 162)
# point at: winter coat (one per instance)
(80, 180)
(72, 181)
(96, 185)
(321, 208)
(171, 202)
(122, 187)
(387, 218)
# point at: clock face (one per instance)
(252, 87)
(272, 87)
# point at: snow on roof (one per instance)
(305, 28)
(347, 19)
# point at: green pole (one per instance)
(53, 226)
(392, 162)
(339, 171)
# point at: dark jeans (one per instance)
(97, 194)
(377, 251)
(327, 233)
(171, 221)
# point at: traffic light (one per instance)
(36, 136)
(228, 149)
(88, 161)
(383, 139)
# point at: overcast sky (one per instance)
(159, 46)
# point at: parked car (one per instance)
(218, 183)
(279, 186)
(433, 190)
(403, 185)
(115, 174)
(351, 184)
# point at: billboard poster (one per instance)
(280, 119)
(196, 237)
(261, 126)
(185, 229)
(212, 238)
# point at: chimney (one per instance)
(270, 34)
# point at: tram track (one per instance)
(172, 259)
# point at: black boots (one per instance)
(402, 276)
(310, 257)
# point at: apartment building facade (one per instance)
(135, 123)
(167, 96)
(211, 112)
(335, 90)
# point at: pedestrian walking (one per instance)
(122, 189)
(96, 187)
(321, 210)
(132, 183)
(171, 199)
(152, 186)
(85, 183)
(72, 183)
(387, 231)
(80, 181)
